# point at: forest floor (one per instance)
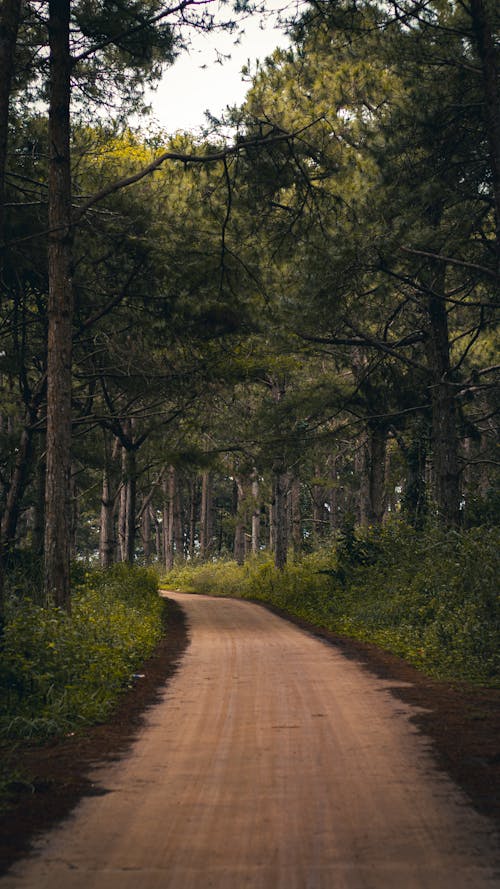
(463, 722)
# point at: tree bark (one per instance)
(59, 313)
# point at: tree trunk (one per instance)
(10, 14)
(272, 527)
(334, 495)
(414, 499)
(361, 461)
(192, 517)
(280, 485)
(178, 516)
(131, 500)
(16, 489)
(296, 517)
(255, 513)
(239, 530)
(318, 511)
(106, 531)
(168, 519)
(74, 513)
(146, 533)
(39, 507)
(377, 449)
(206, 516)
(158, 537)
(122, 509)
(444, 421)
(59, 313)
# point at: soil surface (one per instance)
(463, 723)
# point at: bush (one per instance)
(60, 671)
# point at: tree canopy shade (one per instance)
(256, 340)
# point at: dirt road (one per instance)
(273, 762)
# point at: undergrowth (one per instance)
(431, 597)
(59, 672)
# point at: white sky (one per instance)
(188, 89)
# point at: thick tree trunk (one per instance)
(10, 14)
(59, 312)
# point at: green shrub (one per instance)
(58, 671)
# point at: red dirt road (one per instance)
(272, 762)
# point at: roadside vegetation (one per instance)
(428, 596)
(60, 671)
